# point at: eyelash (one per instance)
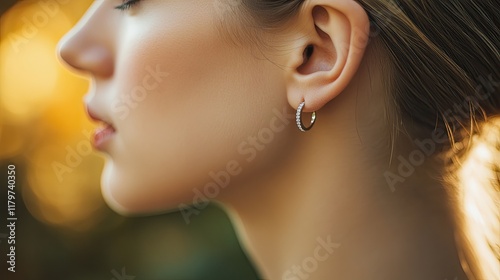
(127, 4)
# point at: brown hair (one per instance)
(444, 59)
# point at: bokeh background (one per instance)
(64, 228)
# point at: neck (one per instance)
(325, 210)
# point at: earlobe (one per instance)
(331, 49)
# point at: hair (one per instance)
(443, 57)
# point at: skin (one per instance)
(209, 103)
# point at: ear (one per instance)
(332, 38)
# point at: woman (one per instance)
(210, 99)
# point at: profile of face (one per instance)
(182, 102)
(177, 102)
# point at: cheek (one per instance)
(182, 112)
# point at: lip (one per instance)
(102, 134)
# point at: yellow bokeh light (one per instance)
(28, 66)
(21, 98)
(42, 114)
(67, 199)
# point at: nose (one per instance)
(87, 48)
(86, 57)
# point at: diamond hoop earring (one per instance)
(298, 118)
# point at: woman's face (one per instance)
(183, 102)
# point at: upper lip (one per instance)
(95, 116)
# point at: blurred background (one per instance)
(64, 229)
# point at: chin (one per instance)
(109, 190)
(119, 192)
(127, 196)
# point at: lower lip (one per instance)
(102, 136)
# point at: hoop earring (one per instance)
(298, 118)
